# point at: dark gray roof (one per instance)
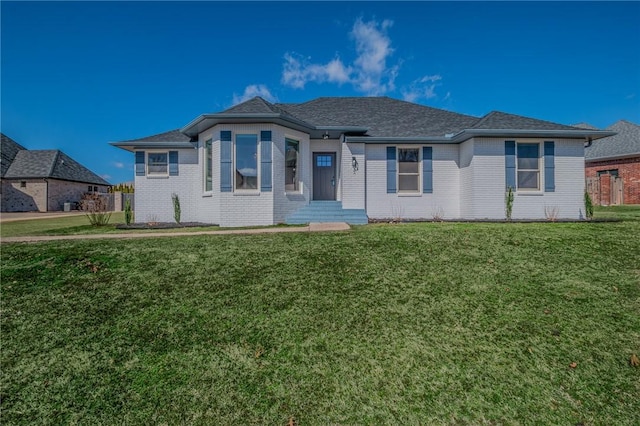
(368, 119)
(585, 126)
(50, 164)
(503, 120)
(170, 136)
(8, 152)
(625, 143)
(383, 116)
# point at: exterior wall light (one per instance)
(354, 164)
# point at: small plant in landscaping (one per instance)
(437, 214)
(176, 207)
(508, 199)
(96, 208)
(152, 220)
(128, 213)
(397, 212)
(588, 205)
(551, 213)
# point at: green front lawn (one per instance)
(77, 225)
(436, 323)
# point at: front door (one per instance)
(324, 176)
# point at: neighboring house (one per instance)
(43, 180)
(612, 165)
(354, 159)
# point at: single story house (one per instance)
(358, 158)
(612, 165)
(42, 180)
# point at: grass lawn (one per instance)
(435, 323)
(75, 225)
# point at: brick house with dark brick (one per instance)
(612, 166)
(42, 180)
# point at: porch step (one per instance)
(327, 211)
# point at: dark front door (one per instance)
(324, 176)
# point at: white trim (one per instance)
(205, 192)
(146, 164)
(417, 192)
(234, 136)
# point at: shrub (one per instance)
(128, 214)
(176, 207)
(96, 208)
(508, 199)
(588, 206)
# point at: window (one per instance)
(208, 166)
(23, 184)
(528, 163)
(292, 148)
(408, 169)
(613, 172)
(157, 163)
(246, 162)
(323, 161)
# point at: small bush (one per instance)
(588, 206)
(176, 207)
(508, 199)
(96, 208)
(128, 213)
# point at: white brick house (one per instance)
(354, 159)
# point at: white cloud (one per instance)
(105, 177)
(118, 165)
(369, 72)
(423, 88)
(298, 72)
(252, 91)
(630, 96)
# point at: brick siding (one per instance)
(629, 172)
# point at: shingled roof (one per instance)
(35, 164)
(8, 151)
(625, 143)
(383, 116)
(366, 119)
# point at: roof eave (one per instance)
(392, 139)
(612, 157)
(520, 133)
(206, 121)
(133, 145)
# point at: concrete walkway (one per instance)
(312, 227)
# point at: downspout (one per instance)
(46, 194)
(589, 142)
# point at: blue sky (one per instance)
(78, 75)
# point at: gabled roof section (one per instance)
(382, 116)
(8, 151)
(50, 164)
(167, 140)
(502, 121)
(585, 126)
(255, 105)
(625, 143)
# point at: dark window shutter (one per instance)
(427, 170)
(265, 135)
(139, 163)
(510, 164)
(549, 167)
(391, 169)
(173, 163)
(225, 161)
(265, 161)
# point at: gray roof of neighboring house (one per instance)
(8, 151)
(53, 164)
(625, 143)
(585, 126)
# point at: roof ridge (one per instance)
(54, 162)
(622, 120)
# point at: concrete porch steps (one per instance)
(327, 211)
